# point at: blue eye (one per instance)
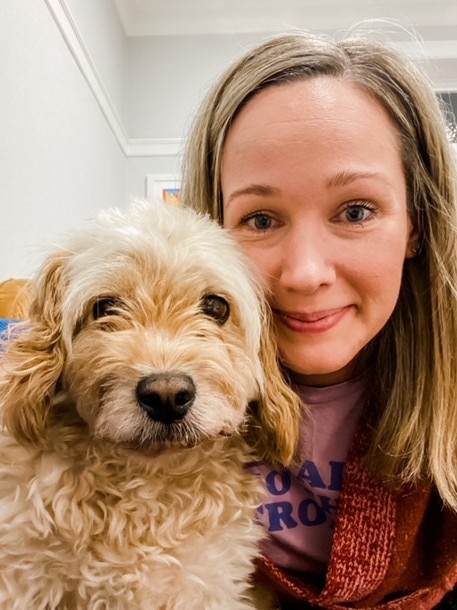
(357, 213)
(261, 222)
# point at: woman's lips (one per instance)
(311, 323)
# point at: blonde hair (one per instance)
(412, 363)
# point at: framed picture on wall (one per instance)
(163, 187)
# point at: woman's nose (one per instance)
(307, 262)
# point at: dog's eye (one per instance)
(107, 306)
(216, 307)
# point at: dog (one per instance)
(132, 399)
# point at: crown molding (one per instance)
(131, 147)
(153, 147)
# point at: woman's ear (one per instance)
(33, 359)
(413, 244)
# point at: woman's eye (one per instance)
(216, 307)
(259, 222)
(107, 306)
(357, 213)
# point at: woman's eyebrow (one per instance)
(346, 176)
(253, 189)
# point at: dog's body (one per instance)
(122, 468)
(97, 527)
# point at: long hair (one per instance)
(412, 363)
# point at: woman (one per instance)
(329, 163)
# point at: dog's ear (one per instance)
(274, 427)
(32, 362)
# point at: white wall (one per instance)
(168, 75)
(101, 31)
(59, 160)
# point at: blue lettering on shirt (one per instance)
(310, 512)
(278, 483)
(280, 516)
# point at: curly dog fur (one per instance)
(132, 399)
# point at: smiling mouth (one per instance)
(316, 322)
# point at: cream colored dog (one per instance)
(122, 464)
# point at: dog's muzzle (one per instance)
(166, 397)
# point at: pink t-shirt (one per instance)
(300, 508)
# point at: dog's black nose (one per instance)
(166, 397)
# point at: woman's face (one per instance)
(314, 192)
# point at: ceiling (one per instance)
(436, 19)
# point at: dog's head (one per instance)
(152, 326)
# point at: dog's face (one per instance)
(149, 365)
(153, 326)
